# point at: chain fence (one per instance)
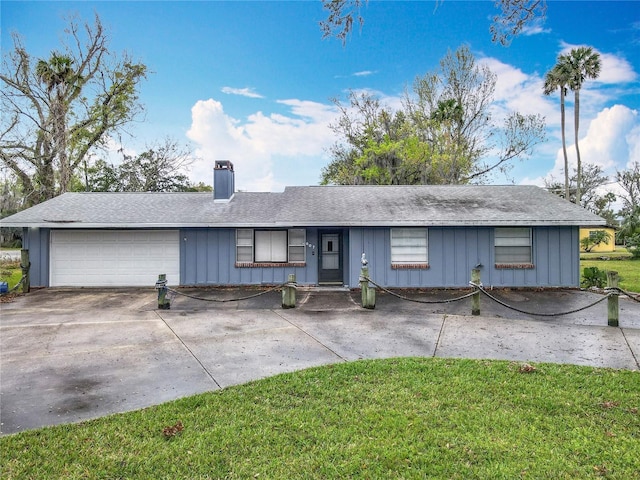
(479, 288)
(417, 300)
(635, 298)
(222, 300)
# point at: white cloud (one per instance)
(244, 92)
(364, 73)
(612, 141)
(535, 28)
(252, 144)
(538, 181)
(633, 140)
(616, 70)
(517, 91)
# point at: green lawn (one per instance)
(397, 418)
(10, 272)
(628, 271)
(619, 253)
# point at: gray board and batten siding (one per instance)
(458, 224)
(453, 251)
(207, 257)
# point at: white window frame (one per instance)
(410, 246)
(271, 246)
(513, 246)
(244, 245)
(297, 248)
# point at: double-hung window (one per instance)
(409, 248)
(244, 246)
(297, 245)
(513, 247)
(255, 246)
(270, 246)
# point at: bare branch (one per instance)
(514, 16)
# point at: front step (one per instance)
(323, 288)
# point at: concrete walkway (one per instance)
(68, 355)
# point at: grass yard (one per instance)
(10, 272)
(628, 271)
(397, 418)
(619, 253)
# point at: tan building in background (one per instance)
(603, 247)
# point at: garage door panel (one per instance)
(114, 258)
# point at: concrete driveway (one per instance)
(68, 354)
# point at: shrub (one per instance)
(594, 239)
(633, 245)
(594, 277)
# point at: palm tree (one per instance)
(58, 76)
(56, 73)
(583, 63)
(448, 111)
(558, 78)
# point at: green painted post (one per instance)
(289, 292)
(475, 299)
(161, 286)
(612, 302)
(25, 265)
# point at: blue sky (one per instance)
(251, 82)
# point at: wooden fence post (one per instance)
(475, 299)
(289, 292)
(25, 265)
(161, 286)
(612, 302)
(368, 293)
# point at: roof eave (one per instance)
(283, 224)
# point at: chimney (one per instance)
(224, 183)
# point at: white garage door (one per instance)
(95, 258)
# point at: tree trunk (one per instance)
(60, 140)
(564, 145)
(577, 127)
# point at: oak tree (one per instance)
(160, 168)
(57, 110)
(444, 133)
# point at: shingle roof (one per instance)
(334, 206)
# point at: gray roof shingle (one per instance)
(335, 206)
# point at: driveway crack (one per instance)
(188, 350)
(630, 349)
(310, 336)
(435, 350)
